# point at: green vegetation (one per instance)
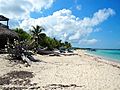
(37, 35)
(37, 38)
(22, 34)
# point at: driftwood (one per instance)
(22, 54)
(25, 59)
(44, 52)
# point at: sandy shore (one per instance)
(76, 72)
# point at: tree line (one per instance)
(37, 39)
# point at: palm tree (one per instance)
(37, 34)
(37, 31)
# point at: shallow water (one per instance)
(110, 54)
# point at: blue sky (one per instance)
(84, 23)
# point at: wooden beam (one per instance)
(7, 24)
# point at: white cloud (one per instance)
(41, 4)
(97, 29)
(101, 15)
(97, 18)
(21, 9)
(61, 24)
(88, 41)
(64, 25)
(75, 36)
(78, 7)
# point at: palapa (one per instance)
(7, 33)
(2, 18)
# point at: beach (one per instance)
(75, 72)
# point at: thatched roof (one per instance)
(8, 33)
(2, 18)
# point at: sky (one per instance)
(83, 23)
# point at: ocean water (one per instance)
(113, 55)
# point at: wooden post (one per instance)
(7, 24)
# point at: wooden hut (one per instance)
(5, 33)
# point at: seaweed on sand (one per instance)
(16, 77)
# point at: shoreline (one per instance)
(98, 57)
(104, 60)
(104, 57)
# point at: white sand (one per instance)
(77, 72)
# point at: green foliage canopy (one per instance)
(22, 34)
(39, 39)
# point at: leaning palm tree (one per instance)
(37, 34)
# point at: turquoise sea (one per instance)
(113, 55)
